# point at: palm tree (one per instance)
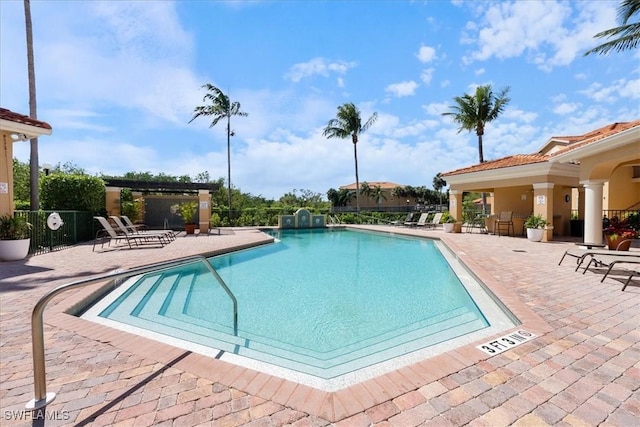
(348, 123)
(377, 193)
(473, 112)
(439, 184)
(34, 168)
(627, 35)
(220, 107)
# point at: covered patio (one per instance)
(571, 177)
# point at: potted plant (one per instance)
(187, 211)
(14, 237)
(535, 225)
(448, 222)
(619, 235)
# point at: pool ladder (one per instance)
(42, 398)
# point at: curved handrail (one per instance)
(42, 398)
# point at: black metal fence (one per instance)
(78, 227)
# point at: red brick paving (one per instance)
(582, 369)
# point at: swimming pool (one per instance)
(321, 306)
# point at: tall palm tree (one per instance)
(220, 107)
(474, 111)
(627, 35)
(348, 123)
(34, 168)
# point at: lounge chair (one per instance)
(165, 234)
(435, 221)
(422, 220)
(408, 222)
(131, 226)
(582, 254)
(635, 272)
(108, 234)
(400, 222)
(504, 219)
(626, 260)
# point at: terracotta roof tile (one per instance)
(505, 162)
(596, 135)
(21, 118)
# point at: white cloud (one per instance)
(565, 108)
(317, 66)
(621, 88)
(426, 75)
(548, 33)
(426, 54)
(479, 71)
(402, 89)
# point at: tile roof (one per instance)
(505, 162)
(595, 135)
(22, 119)
(382, 184)
(575, 141)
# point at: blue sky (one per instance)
(119, 80)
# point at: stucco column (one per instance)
(593, 210)
(580, 202)
(112, 200)
(543, 205)
(6, 176)
(204, 203)
(455, 204)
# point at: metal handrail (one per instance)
(42, 398)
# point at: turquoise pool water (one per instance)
(324, 303)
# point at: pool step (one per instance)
(161, 304)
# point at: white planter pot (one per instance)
(13, 250)
(535, 234)
(448, 227)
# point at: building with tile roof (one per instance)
(600, 168)
(14, 128)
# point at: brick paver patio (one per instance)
(583, 369)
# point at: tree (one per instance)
(474, 111)
(377, 193)
(439, 184)
(627, 34)
(34, 169)
(348, 123)
(220, 107)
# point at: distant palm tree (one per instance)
(377, 193)
(348, 123)
(473, 112)
(628, 34)
(439, 184)
(34, 168)
(220, 107)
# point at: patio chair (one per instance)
(130, 225)
(620, 261)
(399, 222)
(422, 220)
(165, 234)
(435, 221)
(504, 219)
(408, 222)
(108, 233)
